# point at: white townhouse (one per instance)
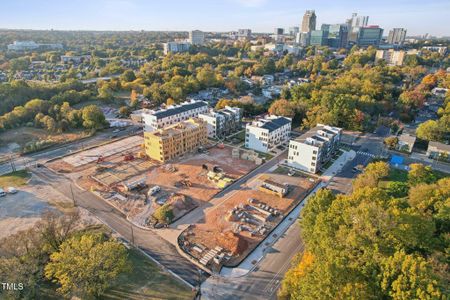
(157, 119)
(223, 122)
(310, 151)
(265, 134)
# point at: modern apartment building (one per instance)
(171, 142)
(223, 122)
(391, 56)
(265, 134)
(396, 36)
(176, 47)
(197, 37)
(310, 151)
(309, 21)
(157, 119)
(369, 36)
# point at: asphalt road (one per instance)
(367, 147)
(20, 162)
(161, 250)
(264, 281)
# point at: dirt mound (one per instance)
(233, 242)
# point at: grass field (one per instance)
(15, 179)
(147, 281)
(402, 176)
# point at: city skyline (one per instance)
(227, 15)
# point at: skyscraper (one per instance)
(294, 30)
(319, 38)
(354, 24)
(279, 31)
(337, 35)
(397, 36)
(309, 21)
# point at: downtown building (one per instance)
(263, 135)
(158, 119)
(397, 36)
(337, 35)
(309, 21)
(175, 140)
(223, 122)
(369, 36)
(354, 24)
(313, 149)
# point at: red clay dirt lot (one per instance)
(215, 229)
(190, 168)
(114, 170)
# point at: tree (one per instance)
(93, 117)
(128, 76)
(282, 107)
(391, 142)
(405, 276)
(429, 130)
(164, 214)
(87, 264)
(419, 173)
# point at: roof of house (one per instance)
(407, 138)
(178, 109)
(439, 146)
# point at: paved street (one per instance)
(367, 147)
(264, 281)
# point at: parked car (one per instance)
(11, 190)
(153, 190)
(2, 193)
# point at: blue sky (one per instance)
(419, 17)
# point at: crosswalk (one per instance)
(366, 154)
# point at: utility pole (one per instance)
(132, 234)
(11, 162)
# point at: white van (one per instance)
(2, 193)
(153, 190)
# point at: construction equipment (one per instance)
(185, 182)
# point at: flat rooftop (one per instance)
(313, 133)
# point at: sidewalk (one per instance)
(338, 165)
